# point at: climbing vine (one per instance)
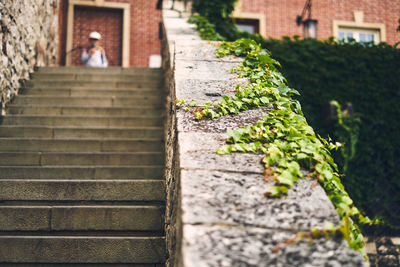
(205, 28)
(291, 149)
(347, 129)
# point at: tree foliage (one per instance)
(218, 13)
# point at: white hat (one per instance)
(95, 35)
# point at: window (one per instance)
(359, 35)
(249, 21)
(358, 30)
(249, 25)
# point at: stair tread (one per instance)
(79, 116)
(82, 249)
(74, 89)
(79, 206)
(66, 236)
(84, 167)
(84, 128)
(77, 139)
(74, 172)
(82, 107)
(81, 190)
(86, 97)
(87, 153)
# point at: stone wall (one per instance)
(216, 212)
(28, 38)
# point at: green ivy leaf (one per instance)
(276, 191)
(286, 178)
(227, 149)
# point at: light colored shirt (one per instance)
(95, 57)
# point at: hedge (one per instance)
(369, 78)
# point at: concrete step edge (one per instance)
(82, 249)
(85, 128)
(69, 237)
(82, 190)
(83, 107)
(78, 206)
(83, 181)
(80, 140)
(114, 90)
(84, 167)
(109, 70)
(86, 97)
(155, 89)
(83, 153)
(79, 172)
(81, 116)
(84, 83)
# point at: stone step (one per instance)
(36, 131)
(94, 84)
(73, 145)
(83, 121)
(90, 101)
(140, 172)
(109, 70)
(82, 190)
(81, 265)
(80, 159)
(82, 218)
(95, 77)
(83, 111)
(110, 92)
(81, 249)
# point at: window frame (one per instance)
(356, 34)
(260, 17)
(254, 23)
(358, 25)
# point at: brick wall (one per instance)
(281, 15)
(144, 37)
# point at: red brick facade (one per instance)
(144, 27)
(281, 15)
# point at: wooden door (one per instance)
(108, 22)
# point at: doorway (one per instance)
(108, 22)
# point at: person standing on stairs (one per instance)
(94, 55)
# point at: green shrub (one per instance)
(205, 28)
(218, 13)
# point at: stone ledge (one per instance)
(225, 246)
(220, 197)
(217, 214)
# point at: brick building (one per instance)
(363, 20)
(129, 29)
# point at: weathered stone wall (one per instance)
(176, 28)
(216, 212)
(28, 38)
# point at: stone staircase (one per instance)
(81, 170)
